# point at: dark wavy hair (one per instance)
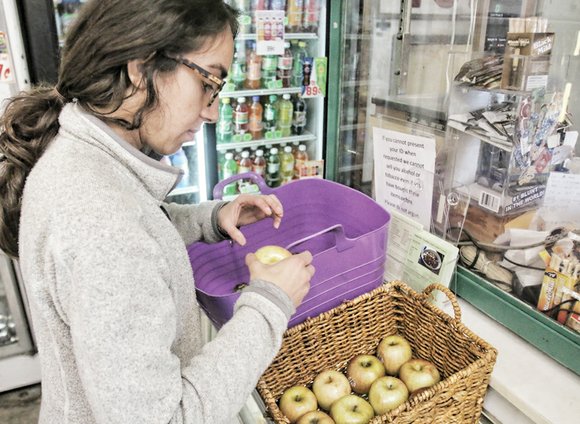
(106, 35)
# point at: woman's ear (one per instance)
(135, 71)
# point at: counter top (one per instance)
(531, 381)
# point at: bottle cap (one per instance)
(274, 151)
(229, 155)
(225, 100)
(287, 44)
(302, 148)
(241, 100)
(301, 44)
(273, 97)
(286, 96)
(288, 149)
(256, 98)
(245, 154)
(259, 152)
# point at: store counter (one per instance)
(527, 386)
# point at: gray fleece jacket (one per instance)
(112, 291)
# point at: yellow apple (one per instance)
(315, 417)
(351, 409)
(418, 374)
(271, 254)
(297, 401)
(394, 351)
(362, 371)
(328, 386)
(387, 393)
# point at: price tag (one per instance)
(317, 82)
(6, 74)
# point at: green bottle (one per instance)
(286, 110)
(225, 129)
(230, 169)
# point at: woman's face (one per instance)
(183, 99)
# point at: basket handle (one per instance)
(436, 286)
(218, 190)
(342, 243)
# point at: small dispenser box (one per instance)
(527, 60)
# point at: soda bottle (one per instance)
(254, 68)
(300, 157)
(311, 15)
(259, 165)
(277, 4)
(238, 155)
(270, 115)
(306, 71)
(295, 12)
(257, 5)
(179, 160)
(225, 128)
(285, 115)
(299, 120)
(245, 163)
(284, 72)
(267, 30)
(255, 125)
(238, 72)
(273, 168)
(287, 165)
(297, 66)
(245, 12)
(269, 64)
(241, 116)
(230, 169)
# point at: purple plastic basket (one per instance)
(345, 230)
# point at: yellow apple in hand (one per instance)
(269, 255)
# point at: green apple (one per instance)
(387, 393)
(330, 385)
(351, 409)
(418, 374)
(271, 254)
(362, 371)
(394, 351)
(297, 401)
(315, 417)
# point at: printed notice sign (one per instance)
(403, 176)
(269, 32)
(5, 62)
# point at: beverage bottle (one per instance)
(245, 163)
(284, 72)
(230, 169)
(287, 165)
(300, 157)
(269, 64)
(297, 66)
(241, 116)
(254, 68)
(270, 115)
(294, 14)
(285, 110)
(179, 160)
(306, 71)
(257, 5)
(238, 155)
(299, 120)
(273, 168)
(244, 20)
(267, 31)
(259, 165)
(225, 128)
(221, 159)
(255, 125)
(311, 15)
(238, 72)
(277, 4)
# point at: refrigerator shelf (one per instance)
(266, 141)
(261, 92)
(184, 190)
(287, 36)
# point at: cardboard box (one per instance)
(527, 60)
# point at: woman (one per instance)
(103, 257)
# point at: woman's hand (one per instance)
(247, 209)
(292, 274)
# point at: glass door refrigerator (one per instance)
(19, 364)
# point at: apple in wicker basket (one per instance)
(387, 393)
(351, 409)
(328, 386)
(419, 374)
(271, 254)
(315, 417)
(394, 351)
(362, 371)
(297, 401)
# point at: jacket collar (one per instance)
(158, 178)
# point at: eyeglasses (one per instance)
(210, 81)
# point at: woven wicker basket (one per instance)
(331, 339)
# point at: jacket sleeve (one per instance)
(123, 321)
(195, 222)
